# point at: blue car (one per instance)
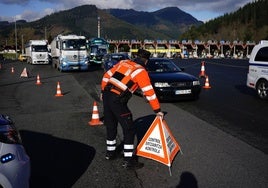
(109, 60)
(14, 162)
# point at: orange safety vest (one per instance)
(129, 75)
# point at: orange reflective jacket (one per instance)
(129, 75)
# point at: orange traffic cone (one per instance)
(207, 86)
(38, 82)
(58, 94)
(95, 116)
(24, 73)
(202, 72)
(12, 69)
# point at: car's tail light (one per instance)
(8, 131)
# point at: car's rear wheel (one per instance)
(262, 89)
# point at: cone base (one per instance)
(206, 87)
(93, 123)
(58, 95)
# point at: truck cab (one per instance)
(97, 49)
(257, 77)
(69, 53)
(36, 52)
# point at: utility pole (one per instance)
(16, 43)
(45, 33)
(22, 50)
(98, 27)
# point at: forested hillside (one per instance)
(249, 23)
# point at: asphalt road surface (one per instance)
(229, 105)
(66, 152)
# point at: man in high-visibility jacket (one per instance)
(117, 87)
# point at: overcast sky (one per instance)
(203, 10)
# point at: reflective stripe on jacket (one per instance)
(129, 75)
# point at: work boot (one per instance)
(132, 163)
(110, 155)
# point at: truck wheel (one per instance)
(262, 89)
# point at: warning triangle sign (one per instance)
(24, 73)
(158, 143)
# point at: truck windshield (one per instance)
(98, 49)
(39, 48)
(74, 44)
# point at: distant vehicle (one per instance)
(109, 60)
(22, 57)
(68, 52)
(97, 48)
(170, 82)
(14, 162)
(257, 77)
(36, 52)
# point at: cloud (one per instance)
(15, 2)
(32, 15)
(219, 6)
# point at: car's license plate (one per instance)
(181, 92)
(75, 68)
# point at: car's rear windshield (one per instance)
(161, 65)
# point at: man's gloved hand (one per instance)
(160, 114)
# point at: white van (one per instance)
(257, 77)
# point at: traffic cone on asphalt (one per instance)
(58, 94)
(95, 120)
(12, 70)
(207, 86)
(38, 82)
(202, 72)
(24, 73)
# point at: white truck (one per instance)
(257, 77)
(68, 52)
(36, 52)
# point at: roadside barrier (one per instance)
(95, 120)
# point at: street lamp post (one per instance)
(16, 43)
(98, 27)
(22, 50)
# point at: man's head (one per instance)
(144, 54)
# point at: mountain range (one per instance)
(248, 23)
(167, 23)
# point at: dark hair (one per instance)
(144, 54)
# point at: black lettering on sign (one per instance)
(170, 144)
(153, 145)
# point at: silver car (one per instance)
(14, 162)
